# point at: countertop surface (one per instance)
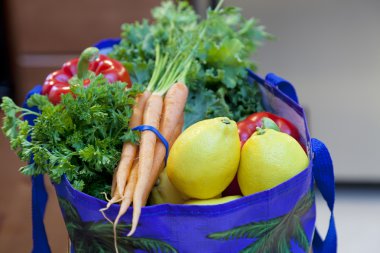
(357, 218)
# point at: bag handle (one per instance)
(283, 85)
(324, 177)
(39, 194)
(39, 201)
(323, 172)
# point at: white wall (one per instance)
(330, 51)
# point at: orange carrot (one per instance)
(129, 151)
(174, 104)
(172, 119)
(115, 198)
(113, 186)
(158, 157)
(127, 198)
(128, 192)
(177, 131)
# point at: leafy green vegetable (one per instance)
(218, 74)
(81, 137)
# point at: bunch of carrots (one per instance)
(160, 106)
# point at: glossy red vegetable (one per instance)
(248, 126)
(57, 83)
(57, 90)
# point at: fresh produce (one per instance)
(170, 126)
(81, 137)
(269, 158)
(217, 79)
(165, 192)
(164, 189)
(248, 126)
(173, 107)
(127, 199)
(205, 157)
(175, 57)
(57, 83)
(213, 201)
(86, 125)
(160, 113)
(129, 149)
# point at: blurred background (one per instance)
(328, 49)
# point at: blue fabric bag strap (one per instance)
(282, 85)
(39, 201)
(324, 178)
(323, 172)
(39, 195)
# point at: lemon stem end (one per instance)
(260, 130)
(226, 121)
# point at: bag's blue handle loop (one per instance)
(106, 46)
(283, 85)
(323, 173)
(106, 43)
(39, 201)
(158, 134)
(39, 195)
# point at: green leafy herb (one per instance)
(81, 137)
(218, 71)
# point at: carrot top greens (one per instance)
(217, 77)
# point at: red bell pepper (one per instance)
(248, 126)
(57, 83)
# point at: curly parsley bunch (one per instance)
(81, 137)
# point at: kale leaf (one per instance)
(217, 78)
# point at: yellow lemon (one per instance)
(268, 159)
(205, 158)
(214, 201)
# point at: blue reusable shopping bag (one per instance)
(278, 220)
